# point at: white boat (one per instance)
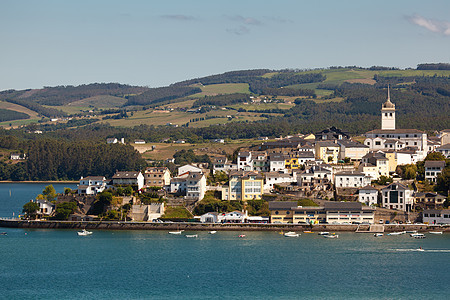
(323, 233)
(84, 232)
(397, 233)
(176, 232)
(191, 235)
(291, 234)
(242, 235)
(417, 235)
(420, 249)
(212, 232)
(378, 234)
(435, 232)
(331, 236)
(411, 231)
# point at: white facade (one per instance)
(45, 207)
(433, 169)
(351, 179)
(92, 185)
(397, 196)
(195, 186)
(129, 178)
(244, 161)
(434, 216)
(188, 168)
(368, 195)
(445, 150)
(272, 178)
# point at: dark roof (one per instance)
(273, 205)
(342, 205)
(428, 195)
(437, 211)
(245, 174)
(351, 144)
(95, 178)
(126, 175)
(327, 144)
(368, 188)
(446, 147)
(394, 131)
(434, 163)
(399, 186)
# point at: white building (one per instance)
(445, 150)
(348, 213)
(272, 178)
(368, 195)
(436, 216)
(45, 207)
(92, 185)
(129, 178)
(277, 162)
(433, 169)
(351, 149)
(244, 161)
(189, 168)
(397, 196)
(351, 179)
(210, 217)
(190, 184)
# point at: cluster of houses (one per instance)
(326, 163)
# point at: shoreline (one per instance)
(40, 181)
(120, 225)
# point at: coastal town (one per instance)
(388, 176)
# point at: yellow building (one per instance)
(327, 151)
(287, 212)
(243, 185)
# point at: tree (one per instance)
(30, 209)
(67, 191)
(64, 210)
(49, 193)
(435, 156)
(443, 181)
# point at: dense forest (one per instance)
(61, 160)
(157, 95)
(222, 100)
(8, 115)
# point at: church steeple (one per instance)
(388, 114)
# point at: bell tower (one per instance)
(388, 114)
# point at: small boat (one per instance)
(331, 236)
(397, 233)
(323, 233)
(191, 235)
(84, 232)
(377, 234)
(212, 232)
(417, 235)
(242, 235)
(308, 231)
(435, 232)
(176, 232)
(420, 249)
(291, 234)
(3, 233)
(411, 231)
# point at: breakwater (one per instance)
(188, 226)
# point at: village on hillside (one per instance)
(321, 178)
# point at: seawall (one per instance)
(115, 225)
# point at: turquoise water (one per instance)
(14, 195)
(59, 264)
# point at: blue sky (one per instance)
(156, 43)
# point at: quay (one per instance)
(194, 226)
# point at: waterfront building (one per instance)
(157, 176)
(348, 213)
(92, 185)
(45, 207)
(433, 169)
(397, 196)
(368, 195)
(428, 200)
(147, 213)
(190, 184)
(436, 216)
(243, 185)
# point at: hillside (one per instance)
(306, 99)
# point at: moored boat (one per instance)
(191, 235)
(377, 234)
(212, 232)
(331, 236)
(176, 232)
(84, 232)
(417, 235)
(291, 234)
(397, 233)
(435, 232)
(242, 235)
(323, 233)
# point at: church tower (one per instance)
(388, 114)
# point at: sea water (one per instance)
(59, 264)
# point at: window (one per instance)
(378, 143)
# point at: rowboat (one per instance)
(291, 234)
(435, 232)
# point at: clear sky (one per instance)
(156, 43)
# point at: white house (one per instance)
(195, 186)
(397, 196)
(234, 217)
(45, 207)
(272, 178)
(368, 195)
(433, 169)
(92, 185)
(436, 216)
(445, 150)
(351, 149)
(129, 178)
(188, 168)
(244, 161)
(210, 217)
(277, 162)
(351, 179)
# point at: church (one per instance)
(388, 138)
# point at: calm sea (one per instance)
(59, 264)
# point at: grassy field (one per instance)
(18, 108)
(102, 101)
(225, 88)
(167, 150)
(263, 106)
